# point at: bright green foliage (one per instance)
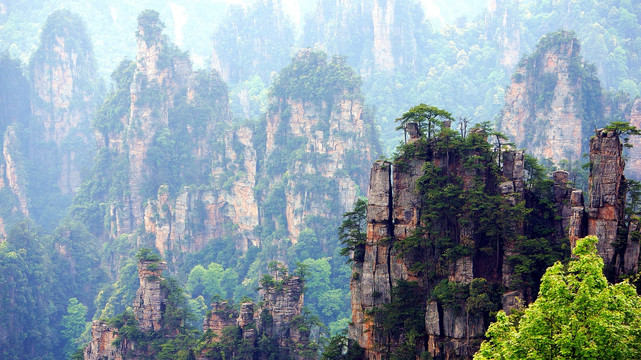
(211, 281)
(73, 324)
(577, 315)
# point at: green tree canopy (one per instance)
(426, 116)
(73, 324)
(623, 129)
(577, 315)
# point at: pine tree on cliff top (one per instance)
(577, 315)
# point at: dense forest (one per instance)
(195, 180)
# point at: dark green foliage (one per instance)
(78, 264)
(534, 255)
(353, 232)
(340, 347)
(622, 128)
(403, 318)
(428, 118)
(450, 294)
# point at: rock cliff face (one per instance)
(12, 169)
(633, 168)
(316, 148)
(185, 173)
(604, 214)
(14, 113)
(64, 82)
(552, 102)
(387, 27)
(148, 311)
(256, 40)
(448, 255)
(276, 319)
(149, 301)
(500, 17)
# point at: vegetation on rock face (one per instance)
(52, 275)
(150, 25)
(459, 192)
(310, 77)
(577, 315)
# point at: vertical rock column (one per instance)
(512, 190)
(221, 316)
(149, 302)
(406, 213)
(562, 195)
(577, 223)
(607, 192)
(283, 304)
(101, 346)
(371, 281)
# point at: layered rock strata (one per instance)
(64, 87)
(552, 101)
(604, 215)
(275, 318)
(396, 214)
(328, 141)
(149, 303)
(148, 309)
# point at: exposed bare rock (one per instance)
(101, 345)
(12, 169)
(149, 302)
(155, 83)
(220, 316)
(607, 192)
(562, 199)
(544, 110)
(194, 217)
(246, 314)
(283, 303)
(148, 309)
(633, 163)
(371, 283)
(577, 227)
(509, 33)
(378, 35)
(512, 191)
(64, 79)
(327, 169)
